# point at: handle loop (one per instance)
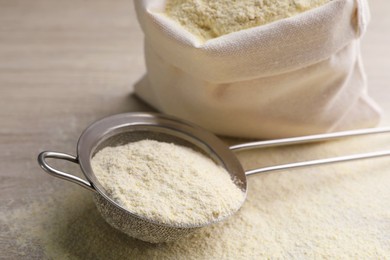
(59, 174)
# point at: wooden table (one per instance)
(65, 64)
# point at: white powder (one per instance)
(167, 183)
(212, 18)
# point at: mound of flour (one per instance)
(167, 183)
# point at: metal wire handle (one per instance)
(59, 174)
(310, 139)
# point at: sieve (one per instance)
(131, 127)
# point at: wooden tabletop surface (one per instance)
(65, 64)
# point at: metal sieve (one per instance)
(130, 127)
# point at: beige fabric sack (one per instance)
(295, 76)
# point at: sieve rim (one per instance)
(110, 126)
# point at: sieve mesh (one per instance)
(131, 127)
(137, 227)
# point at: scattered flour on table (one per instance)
(213, 18)
(167, 183)
(339, 211)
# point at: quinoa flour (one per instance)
(167, 183)
(213, 18)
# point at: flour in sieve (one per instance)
(167, 183)
(213, 18)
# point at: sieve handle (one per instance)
(311, 139)
(319, 162)
(59, 174)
